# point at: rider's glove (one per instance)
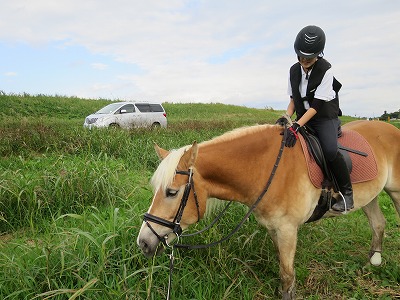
(291, 135)
(281, 121)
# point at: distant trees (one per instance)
(393, 115)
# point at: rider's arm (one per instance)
(307, 116)
(290, 109)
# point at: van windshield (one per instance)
(108, 109)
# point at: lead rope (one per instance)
(171, 265)
(251, 209)
(171, 269)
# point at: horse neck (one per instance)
(237, 168)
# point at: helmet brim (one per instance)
(306, 55)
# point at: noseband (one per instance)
(175, 224)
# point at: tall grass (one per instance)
(44, 187)
(36, 106)
(71, 203)
(93, 254)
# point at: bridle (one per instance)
(175, 225)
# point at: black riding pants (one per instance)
(327, 133)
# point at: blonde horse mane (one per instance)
(165, 172)
(239, 132)
(164, 175)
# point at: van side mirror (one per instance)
(123, 111)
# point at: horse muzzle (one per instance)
(153, 238)
(148, 242)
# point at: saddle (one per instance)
(359, 158)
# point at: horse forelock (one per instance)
(164, 175)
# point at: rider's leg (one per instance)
(327, 132)
(341, 173)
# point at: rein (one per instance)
(249, 212)
(175, 224)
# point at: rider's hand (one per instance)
(291, 135)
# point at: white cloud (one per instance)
(228, 51)
(99, 66)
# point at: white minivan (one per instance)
(128, 115)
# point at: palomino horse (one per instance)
(235, 166)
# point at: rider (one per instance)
(314, 97)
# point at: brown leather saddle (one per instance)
(359, 158)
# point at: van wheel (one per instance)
(113, 125)
(155, 125)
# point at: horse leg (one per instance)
(377, 223)
(274, 238)
(395, 198)
(285, 239)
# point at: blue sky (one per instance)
(235, 52)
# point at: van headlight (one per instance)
(91, 120)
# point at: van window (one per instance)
(108, 109)
(129, 108)
(143, 107)
(156, 108)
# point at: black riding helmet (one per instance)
(310, 42)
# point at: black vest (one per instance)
(328, 109)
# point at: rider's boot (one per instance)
(341, 173)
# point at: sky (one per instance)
(227, 51)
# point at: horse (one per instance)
(234, 167)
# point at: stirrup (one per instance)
(345, 205)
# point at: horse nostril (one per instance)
(144, 246)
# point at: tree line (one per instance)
(393, 115)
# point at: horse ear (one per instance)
(190, 155)
(161, 152)
(195, 151)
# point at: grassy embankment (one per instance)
(71, 202)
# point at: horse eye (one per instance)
(171, 193)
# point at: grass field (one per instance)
(72, 200)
